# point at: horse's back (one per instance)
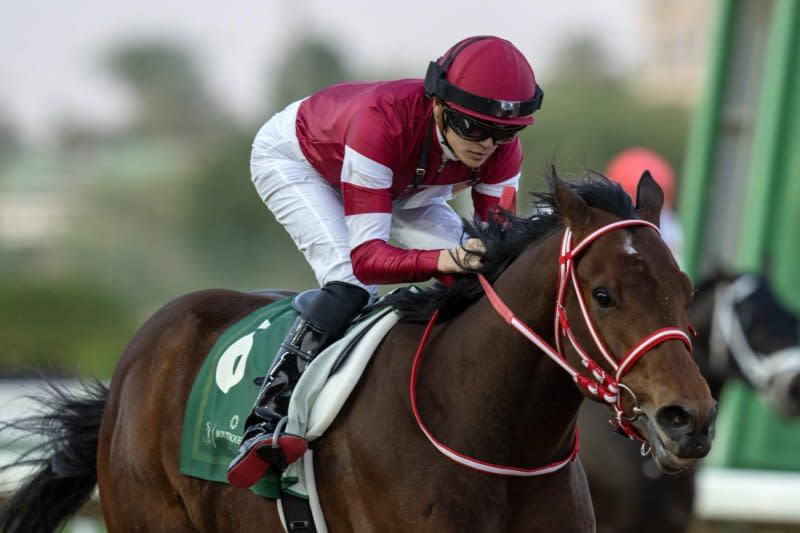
(140, 436)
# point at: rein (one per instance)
(600, 384)
(466, 460)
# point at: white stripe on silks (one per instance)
(425, 195)
(360, 170)
(368, 226)
(496, 189)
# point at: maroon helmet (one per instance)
(487, 78)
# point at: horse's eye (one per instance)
(602, 297)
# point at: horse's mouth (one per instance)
(667, 461)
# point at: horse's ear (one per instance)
(649, 199)
(568, 202)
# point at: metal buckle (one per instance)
(636, 410)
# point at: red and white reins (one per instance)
(599, 383)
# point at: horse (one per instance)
(483, 391)
(745, 333)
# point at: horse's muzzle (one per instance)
(679, 437)
(688, 437)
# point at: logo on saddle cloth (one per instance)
(224, 390)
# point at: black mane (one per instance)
(503, 245)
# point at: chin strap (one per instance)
(419, 173)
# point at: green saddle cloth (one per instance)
(223, 395)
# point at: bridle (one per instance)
(598, 383)
(727, 337)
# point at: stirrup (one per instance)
(260, 452)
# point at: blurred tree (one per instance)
(584, 59)
(62, 326)
(234, 236)
(589, 114)
(10, 142)
(169, 91)
(310, 65)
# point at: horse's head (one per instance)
(745, 331)
(632, 288)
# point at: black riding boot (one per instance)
(325, 320)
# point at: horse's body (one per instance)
(376, 428)
(484, 390)
(629, 494)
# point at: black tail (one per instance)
(65, 460)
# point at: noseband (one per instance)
(605, 386)
(599, 383)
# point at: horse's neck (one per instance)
(494, 391)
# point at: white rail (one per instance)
(748, 495)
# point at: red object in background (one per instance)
(627, 167)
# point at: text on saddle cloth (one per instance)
(223, 392)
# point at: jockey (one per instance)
(628, 166)
(357, 164)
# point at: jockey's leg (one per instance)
(264, 444)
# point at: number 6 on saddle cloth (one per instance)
(223, 392)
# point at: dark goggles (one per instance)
(472, 129)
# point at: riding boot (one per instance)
(264, 444)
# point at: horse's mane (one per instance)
(504, 243)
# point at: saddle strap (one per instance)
(297, 514)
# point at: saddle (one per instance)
(223, 394)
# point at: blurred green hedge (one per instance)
(62, 327)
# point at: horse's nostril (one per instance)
(675, 420)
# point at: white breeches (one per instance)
(311, 210)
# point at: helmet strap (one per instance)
(419, 174)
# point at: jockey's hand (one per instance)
(449, 259)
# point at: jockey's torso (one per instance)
(385, 124)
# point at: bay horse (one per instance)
(483, 390)
(744, 333)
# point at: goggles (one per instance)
(476, 130)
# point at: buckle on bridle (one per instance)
(635, 410)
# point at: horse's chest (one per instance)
(465, 503)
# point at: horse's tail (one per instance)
(64, 460)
